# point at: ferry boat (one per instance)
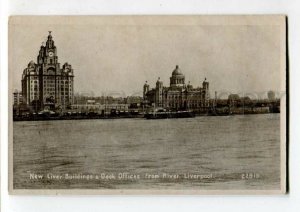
(163, 114)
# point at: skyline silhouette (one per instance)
(120, 58)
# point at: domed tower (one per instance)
(50, 42)
(159, 93)
(205, 86)
(50, 51)
(177, 78)
(145, 90)
(40, 58)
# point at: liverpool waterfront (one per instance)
(206, 152)
(48, 94)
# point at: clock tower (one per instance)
(52, 85)
(48, 53)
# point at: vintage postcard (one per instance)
(147, 104)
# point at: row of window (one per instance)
(53, 93)
(33, 78)
(49, 88)
(188, 99)
(35, 96)
(50, 81)
(189, 105)
(188, 102)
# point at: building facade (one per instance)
(45, 84)
(178, 95)
(17, 98)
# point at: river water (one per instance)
(229, 152)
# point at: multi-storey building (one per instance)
(46, 84)
(17, 98)
(178, 95)
(18, 103)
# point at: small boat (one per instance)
(169, 114)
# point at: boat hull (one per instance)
(169, 115)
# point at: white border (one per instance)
(288, 202)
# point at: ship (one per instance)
(164, 114)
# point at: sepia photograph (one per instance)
(147, 104)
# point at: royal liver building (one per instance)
(45, 84)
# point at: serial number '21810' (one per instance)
(251, 175)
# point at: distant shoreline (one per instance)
(140, 116)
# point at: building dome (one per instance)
(31, 64)
(176, 71)
(177, 78)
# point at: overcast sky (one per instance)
(109, 57)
